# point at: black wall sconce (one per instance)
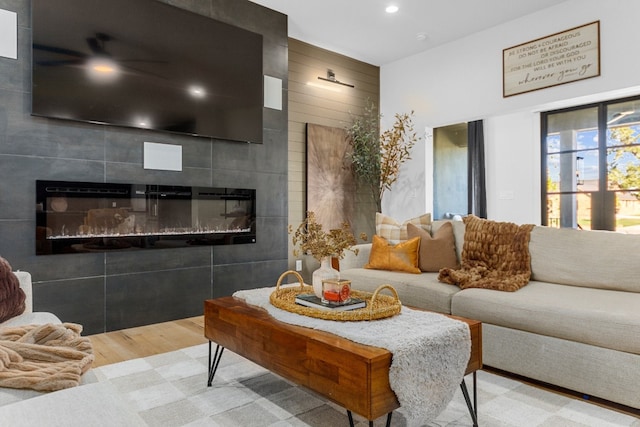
(331, 77)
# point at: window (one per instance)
(450, 189)
(591, 166)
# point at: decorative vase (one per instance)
(326, 271)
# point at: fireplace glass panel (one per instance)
(74, 217)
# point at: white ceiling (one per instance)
(361, 29)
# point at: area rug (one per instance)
(170, 390)
(430, 351)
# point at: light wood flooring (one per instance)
(143, 341)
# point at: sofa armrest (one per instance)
(25, 284)
(352, 260)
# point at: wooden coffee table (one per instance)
(355, 376)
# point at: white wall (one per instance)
(513, 167)
(462, 81)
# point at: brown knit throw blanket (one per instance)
(495, 255)
(43, 357)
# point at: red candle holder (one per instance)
(336, 291)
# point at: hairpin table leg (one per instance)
(473, 407)
(213, 364)
(370, 422)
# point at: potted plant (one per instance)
(376, 158)
(309, 238)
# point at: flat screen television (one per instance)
(146, 64)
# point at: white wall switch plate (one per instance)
(8, 34)
(166, 157)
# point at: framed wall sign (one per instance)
(553, 60)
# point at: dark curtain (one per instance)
(477, 189)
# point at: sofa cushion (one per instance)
(399, 257)
(34, 318)
(594, 259)
(603, 318)
(94, 404)
(26, 285)
(12, 297)
(435, 252)
(352, 259)
(13, 395)
(396, 232)
(415, 290)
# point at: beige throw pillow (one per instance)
(395, 232)
(438, 251)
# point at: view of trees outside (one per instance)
(622, 175)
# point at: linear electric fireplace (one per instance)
(75, 217)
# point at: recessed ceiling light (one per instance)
(391, 9)
(102, 69)
(197, 91)
(142, 121)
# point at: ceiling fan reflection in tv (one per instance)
(146, 64)
(99, 65)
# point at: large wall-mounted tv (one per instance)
(146, 64)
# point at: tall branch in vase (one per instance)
(395, 147)
(376, 158)
(364, 138)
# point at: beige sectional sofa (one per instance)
(576, 324)
(92, 403)
(29, 317)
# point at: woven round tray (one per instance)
(378, 306)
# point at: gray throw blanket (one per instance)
(430, 351)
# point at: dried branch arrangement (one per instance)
(376, 158)
(395, 147)
(309, 238)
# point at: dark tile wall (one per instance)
(110, 291)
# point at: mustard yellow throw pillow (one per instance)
(438, 251)
(400, 257)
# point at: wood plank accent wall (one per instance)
(329, 105)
